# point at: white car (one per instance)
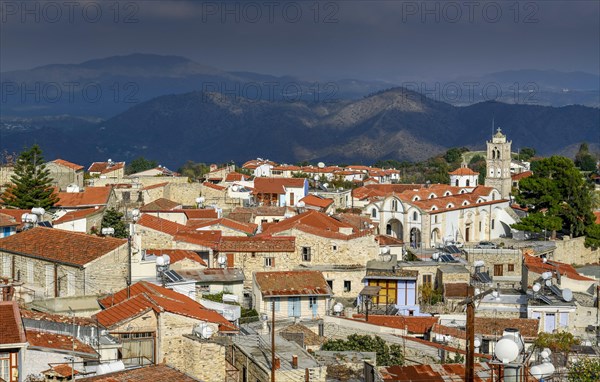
(457, 244)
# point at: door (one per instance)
(294, 307)
(467, 234)
(498, 269)
(138, 347)
(550, 322)
(292, 201)
(312, 302)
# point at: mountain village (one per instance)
(274, 272)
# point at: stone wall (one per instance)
(339, 277)
(108, 273)
(171, 329)
(573, 251)
(198, 358)
(183, 193)
(62, 176)
(37, 361)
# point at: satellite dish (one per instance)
(477, 342)
(546, 275)
(477, 291)
(204, 331)
(435, 256)
(544, 259)
(567, 294)
(135, 212)
(495, 294)
(536, 287)
(300, 204)
(546, 353)
(338, 308)
(326, 185)
(320, 165)
(386, 249)
(479, 263)
(166, 259)
(222, 260)
(160, 261)
(542, 371)
(200, 200)
(548, 283)
(234, 188)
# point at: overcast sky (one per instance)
(386, 40)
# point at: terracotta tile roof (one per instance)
(200, 213)
(7, 220)
(596, 214)
(208, 239)
(287, 168)
(161, 204)
(292, 283)
(537, 265)
(60, 246)
(434, 373)
(254, 163)
(104, 168)
(168, 300)
(522, 175)
(154, 373)
(257, 244)
(90, 196)
(58, 318)
(316, 223)
(157, 185)
(162, 225)
(48, 340)
(177, 255)
(235, 177)
(15, 213)
(62, 370)
(414, 324)
(388, 240)
(78, 214)
(214, 186)
(317, 201)
(463, 171)
(249, 228)
(12, 327)
(68, 164)
(358, 221)
(455, 290)
(276, 185)
(125, 310)
(362, 193)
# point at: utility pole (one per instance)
(73, 344)
(272, 339)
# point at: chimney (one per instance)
(294, 361)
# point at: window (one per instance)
(498, 270)
(435, 219)
(347, 286)
(415, 216)
(374, 212)
(6, 266)
(5, 366)
(30, 268)
(126, 196)
(306, 254)
(334, 247)
(394, 205)
(277, 301)
(269, 261)
(511, 267)
(427, 280)
(468, 182)
(456, 182)
(493, 221)
(479, 226)
(388, 292)
(330, 283)
(312, 301)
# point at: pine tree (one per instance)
(31, 183)
(114, 219)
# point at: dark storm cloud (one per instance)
(387, 40)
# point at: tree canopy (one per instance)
(114, 219)
(387, 355)
(585, 370)
(31, 182)
(556, 190)
(584, 160)
(140, 164)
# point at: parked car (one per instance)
(457, 244)
(486, 245)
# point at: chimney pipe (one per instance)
(294, 361)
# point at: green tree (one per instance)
(539, 222)
(114, 219)
(140, 164)
(526, 153)
(478, 164)
(558, 189)
(585, 370)
(194, 170)
(31, 184)
(387, 355)
(454, 155)
(584, 159)
(559, 342)
(592, 236)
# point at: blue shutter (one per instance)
(411, 293)
(290, 306)
(277, 304)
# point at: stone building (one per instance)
(498, 162)
(64, 174)
(56, 263)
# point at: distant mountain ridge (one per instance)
(393, 124)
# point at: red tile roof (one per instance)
(15, 213)
(200, 213)
(78, 214)
(58, 318)
(161, 204)
(463, 171)
(522, 175)
(214, 186)
(103, 167)
(162, 225)
(249, 228)
(434, 373)
(177, 255)
(63, 370)
(388, 240)
(276, 185)
(60, 246)
(12, 327)
(317, 201)
(208, 239)
(292, 283)
(48, 340)
(414, 324)
(126, 310)
(254, 163)
(235, 177)
(68, 164)
(90, 196)
(537, 265)
(157, 185)
(257, 244)
(154, 373)
(7, 220)
(164, 298)
(596, 213)
(316, 223)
